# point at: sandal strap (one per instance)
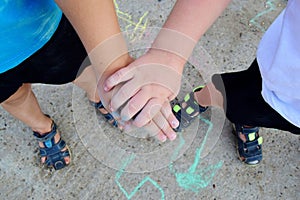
(187, 114)
(250, 133)
(57, 160)
(252, 145)
(250, 151)
(98, 105)
(55, 157)
(107, 116)
(56, 148)
(257, 157)
(47, 136)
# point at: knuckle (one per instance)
(142, 120)
(118, 75)
(166, 108)
(122, 93)
(132, 107)
(161, 136)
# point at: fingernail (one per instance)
(175, 123)
(127, 127)
(172, 136)
(110, 107)
(163, 139)
(105, 88)
(120, 127)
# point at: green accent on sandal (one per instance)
(260, 140)
(176, 108)
(189, 110)
(198, 88)
(187, 97)
(251, 136)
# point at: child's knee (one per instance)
(19, 96)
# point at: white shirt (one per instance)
(278, 57)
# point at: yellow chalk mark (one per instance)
(134, 30)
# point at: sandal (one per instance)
(51, 150)
(107, 115)
(187, 110)
(249, 151)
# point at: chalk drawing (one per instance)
(136, 189)
(270, 5)
(195, 179)
(134, 30)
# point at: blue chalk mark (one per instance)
(270, 4)
(195, 179)
(136, 189)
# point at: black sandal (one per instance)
(185, 115)
(51, 150)
(250, 151)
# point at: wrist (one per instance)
(168, 58)
(117, 64)
(110, 55)
(176, 44)
(114, 66)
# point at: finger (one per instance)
(166, 110)
(164, 126)
(135, 104)
(153, 129)
(123, 94)
(152, 107)
(129, 127)
(119, 76)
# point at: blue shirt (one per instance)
(25, 26)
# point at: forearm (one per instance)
(188, 21)
(97, 25)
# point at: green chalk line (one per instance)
(136, 189)
(195, 179)
(271, 8)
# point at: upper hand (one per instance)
(148, 83)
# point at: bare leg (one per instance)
(24, 106)
(209, 96)
(88, 82)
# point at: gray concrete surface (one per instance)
(201, 164)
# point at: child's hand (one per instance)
(148, 83)
(162, 124)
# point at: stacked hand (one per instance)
(144, 89)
